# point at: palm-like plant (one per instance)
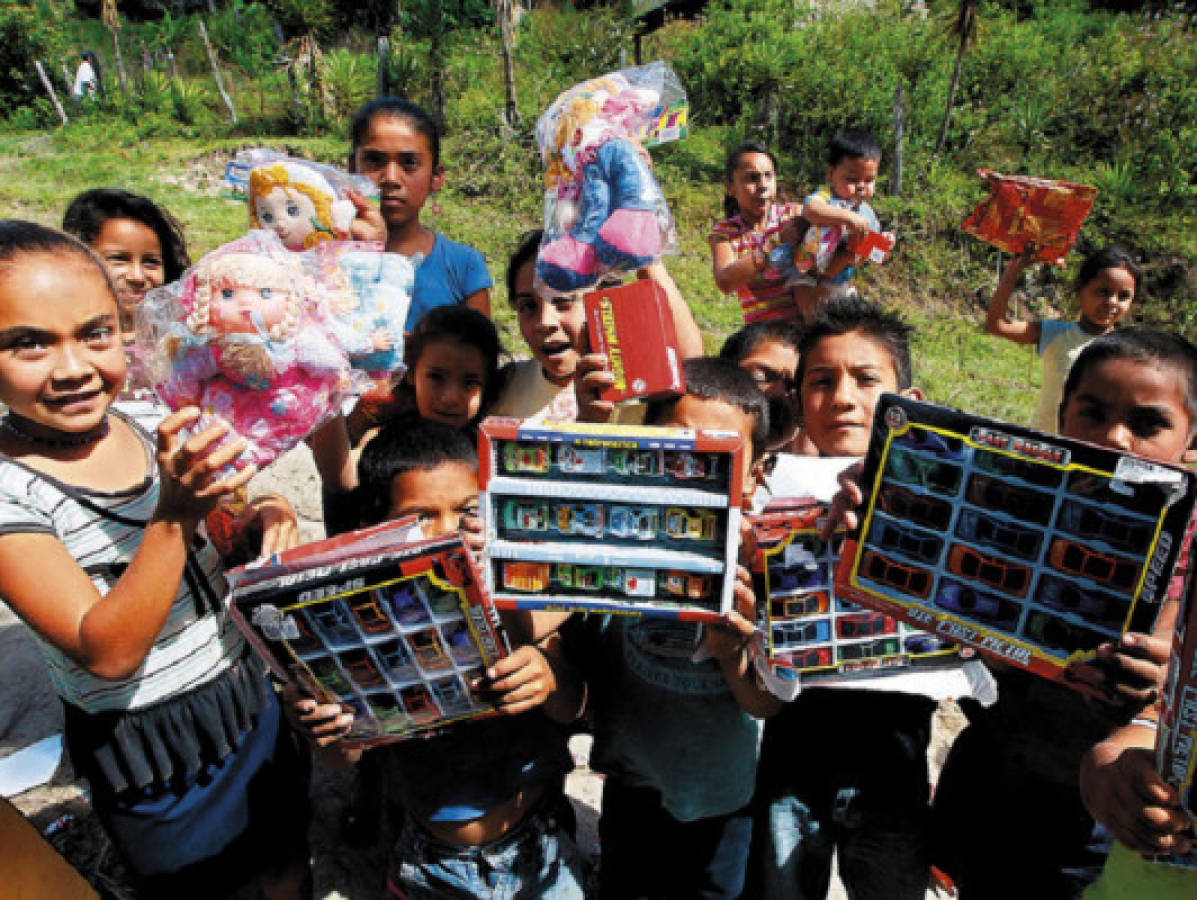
(964, 30)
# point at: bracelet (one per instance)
(1143, 722)
(760, 259)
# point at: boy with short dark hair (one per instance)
(678, 739)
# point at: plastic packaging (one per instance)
(603, 208)
(1024, 214)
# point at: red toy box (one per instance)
(1033, 548)
(1176, 745)
(633, 326)
(606, 518)
(397, 632)
(1024, 214)
(872, 246)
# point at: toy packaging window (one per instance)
(606, 518)
(1176, 743)
(1033, 548)
(806, 632)
(397, 632)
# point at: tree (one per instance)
(505, 13)
(112, 21)
(304, 24)
(964, 29)
(434, 21)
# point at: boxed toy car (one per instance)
(633, 326)
(611, 518)
(806, 632)
(873, 246)
(1033, 548)
(398, 634)
(1176, 744)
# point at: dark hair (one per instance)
(850, 314)
(740, 345)
(712, 378)
(461, 325)
(20, 238)
(403, 445)
(853, 143)
(1107, 258)
(525, 251)
(1145, 345)
(730, 207)
(395, 108)
(89, 211)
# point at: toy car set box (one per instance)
(1033, 548)
(1176, 743)
(633, 326)
(611, 518)
(806, 632)
(397, 632)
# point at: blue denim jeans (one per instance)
(536, 859)
(880, 857)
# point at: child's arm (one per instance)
(334, 457)
(1019, 331)
(323, 725)
(109, 635)
(479, 300)
(733, 272)
(728, 643)
(689, 338)
(820, 212)
(536, 673)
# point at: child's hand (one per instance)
(858, 224)
(472, 535)
(190, 469)
(276, 517)
(323, 724)
(592, 376)
(519, 682)
(1123, 791)
(792, 231)
(368, 225)
(1135, 668)
(726, 640)
(847, 500)
(382, 339)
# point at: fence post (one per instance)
(895, 180)
(224, 95)
(41, 73)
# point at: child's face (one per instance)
(398, 158)
(234, 305)
(772, 365)
(701, 412)
(449, 379)
(854, 178)
(440, 496)
(289, 214)
(1130, 405)
(61, 358)
(753, 185)
(1106, 299)
(844, 376)
(132, 255)
(554, 327)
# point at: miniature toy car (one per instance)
(1060, 635)
(450, 695)
(1005, 466)
(526, 515)
(994, 571)
(907, 579)
(634, 582)
(684, 465)
(865, 649)
(805, 605)
(798, 578)
(787, 634)
(807, 657)
(635, 462)
(902, 503)
(370, 616)
(406, 605)
(1143, 497)
(909, 542)
(910, 468)
(525, 457)
(1120, 532)
(1093, 605)
(332, 621)
(441, 602)
(361, 668)
(637, 522)
(1017, 502)
(427, 649)
(395, 661)
(418, 704)
(579, 518)
(865, 625)
(967, 601)
(526, 576)
(461, 646)
(1016, 540)
(690, 525)
(575, 460)
(686, 584)
(580, 578)
(388, 712)
(923, 644)
(932, 442)
(306, 642)
(1115, 571)
(327, 673)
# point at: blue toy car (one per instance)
(977, 605)
(633, 522)
(1017, 540)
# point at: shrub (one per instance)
(27, 33)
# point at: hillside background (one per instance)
(1063, 89)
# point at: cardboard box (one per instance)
(633, 326)
(398, 633)
(1033, 548)
(1176, 743)
(873, 246)
(607, 518)
(1024, 214)
(809, 634)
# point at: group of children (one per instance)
(199, 772)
